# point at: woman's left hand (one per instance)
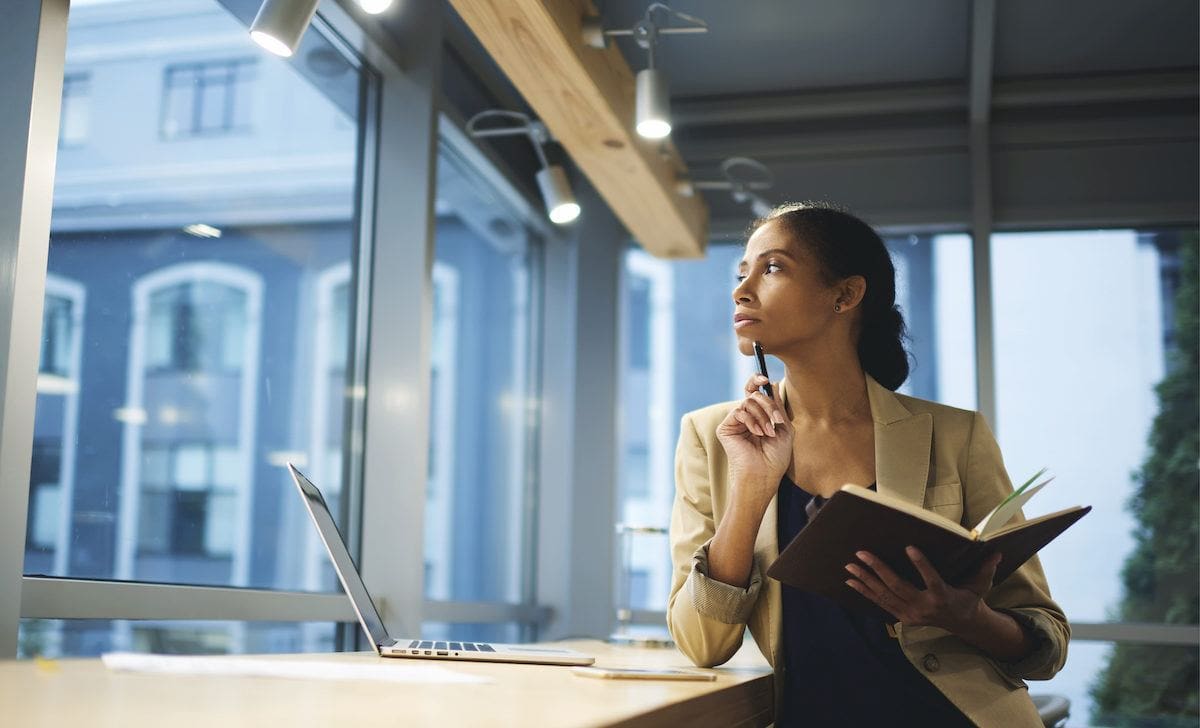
(939, 604)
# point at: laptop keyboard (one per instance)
(432, 647)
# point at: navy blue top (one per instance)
(842, 668)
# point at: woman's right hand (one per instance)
(757, 438)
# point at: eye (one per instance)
(739, 277)
(773, 267)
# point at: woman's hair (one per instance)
(845, 246)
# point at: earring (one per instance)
(837, 308)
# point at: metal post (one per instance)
(33, 47)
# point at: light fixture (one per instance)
(280, 24)
(374, 7)
(561, 206)
(652, 99)
(741, 186)
(201, 230)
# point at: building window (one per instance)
(76, 109)
(189, 494)
(194, 363)
(52, 471)
(196, 326)
(56, 337)
(207, 99)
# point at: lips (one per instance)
(741, 321)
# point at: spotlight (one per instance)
(280, 24)
(652, 112)
(653, 107)
(374, 7)
(741, 186)
(552, 180)
(556, 191)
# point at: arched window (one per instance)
(190, 425)
(52, 471)
(326, 426)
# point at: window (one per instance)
(52, 477)
(196, 326)
(193, 368)
(680, 354)
(207, 99)
(216, 342)
(1084, 323)
(483, 412)
(73, 126)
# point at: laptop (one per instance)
(372, 624)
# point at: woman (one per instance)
(817, 290)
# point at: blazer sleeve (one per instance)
(1024, 595)
(706, 618)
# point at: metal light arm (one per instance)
(646, 31)
(535, 130)
(741, 188)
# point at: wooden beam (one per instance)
(585, 97)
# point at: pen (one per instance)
(762, 369)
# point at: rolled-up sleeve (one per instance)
(717, 600)
(706, 618)
(1024, 594)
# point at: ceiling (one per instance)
(1090, 109)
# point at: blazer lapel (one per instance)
(903, 445)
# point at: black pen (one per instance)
(762, 369)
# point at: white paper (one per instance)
(386, 670)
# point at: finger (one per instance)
(931, 577)
(874, 599)
(773, 410)
(754, 382)
(897, 585)
(762, 416)
(747, 421)
(869, 580)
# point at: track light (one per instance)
(552, 180)
(741, 185)
(280, 24)
(652, 112)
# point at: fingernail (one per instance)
(772, 430)
(911, 551)
(861, 554)
(850, 568)
(777, 418)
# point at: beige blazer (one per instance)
(940, 457)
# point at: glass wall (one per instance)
(1085, 322)
(484, 397)
(679, 353)
(198, 312)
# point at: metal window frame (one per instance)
(33, 46)
(57, 598)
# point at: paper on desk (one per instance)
(237, 665)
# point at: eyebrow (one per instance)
(765, 253)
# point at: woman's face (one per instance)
(781, 299)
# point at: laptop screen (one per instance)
(368, 616)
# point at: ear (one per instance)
(850, 292)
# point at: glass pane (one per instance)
(51, 638)
(187, 353)
(481, 415)
(679, 353)
(1128, 685)
(1088, 323)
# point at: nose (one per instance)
(742, 292)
